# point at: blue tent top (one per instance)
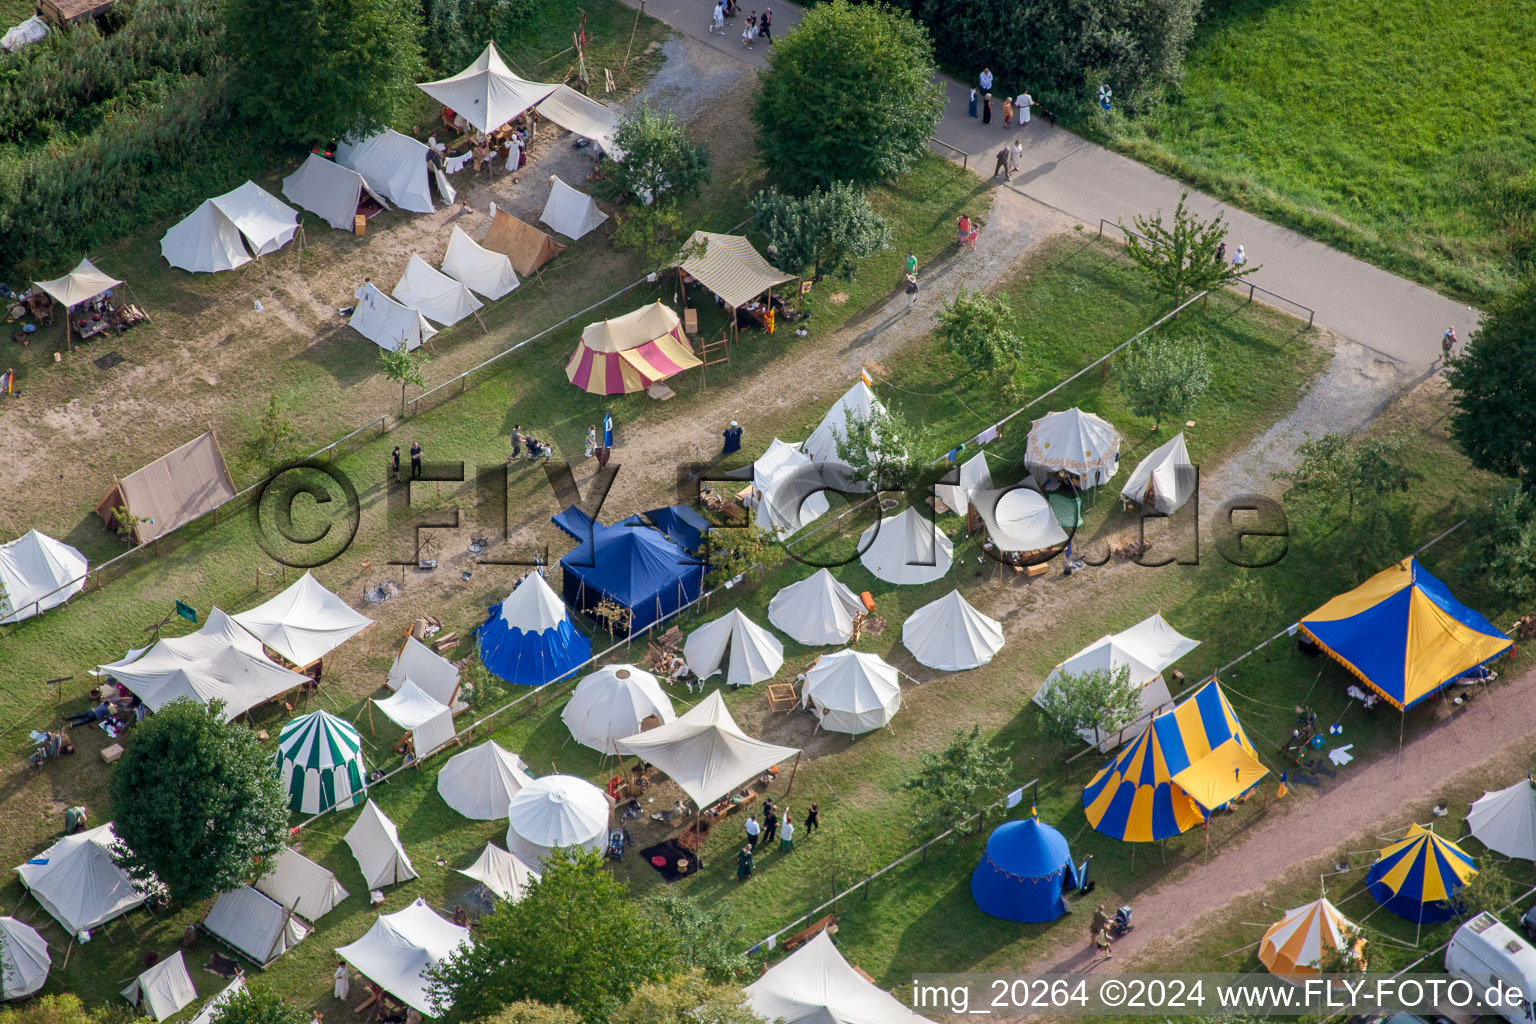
(681, 523)
(529, 639)
(635, 566)
(574, 522)
(1021, 876)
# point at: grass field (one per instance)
(1395, 131)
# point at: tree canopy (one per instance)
(848, 96)
(1501, 542)
(1165, 373)
(1492, 385)
(258, 1005)
(706, 935)
(196, 801)
(981, 331)
(687, 999)
(1182, 256)
(662, 163)
(1100, 700)
(1358, 477)
(952, 784)
(829, 229)
(884, 450)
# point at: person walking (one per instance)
(1102, 941)
(1221, 252)
(732, 435)
(911, 263)
(1007, 112)
(1021, 107)
(765, 25)
(786, 834)
(911, 291)
(986, 108)
(1239, 258)
(396, 458)
(1100, 923)
(341, 980)
(744, 864)
(770, 823)
(415, 460)
(754, 831)
(1448, 343)
(1016, 157)
(517, 444)
(749, 31)
(974, 95)
(717, 20)
(591, 439)
(1002, 165)
(985, 80)
(813, 819)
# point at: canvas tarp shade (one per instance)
(1505, 820)
(629, 353)
(731, 268)
(1019, 519)
(254, 925)
(527, 246)
(481, 782)
(681, 523)
(816, 611)
(950, 635)
(386, 322)
(38, 573)
(487, 93)
(788, 489)
(434, 294)
(320, 763)
(852, 692)
(375, 843)
(164, 989)
(1418, 876)
(570, 212)
(79, 285)
(907, 549)
(1077, 442)
(1021, 876)
(528, 638)
(503, 873)
(79, 883)
(973, 475)
(215, 236)
(705, 752)
(613, 703)
(394, 165)
(1295, 943)
(754, 653)
(429, 722)
(305, 622)
(583, 115)
(211, 1008)
(557, 810)
(815, 985)
(479, 269)
(301, 885)
(435, 675)
(330, 191)
(1164, 480)
(24, 959)
(171, 491)
(396, 952)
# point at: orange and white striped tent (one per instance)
(629, 353)
(1295, 943)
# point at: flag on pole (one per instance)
(608, 429)
(186, 611)
(1280, 792)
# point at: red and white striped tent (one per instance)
(631, 352)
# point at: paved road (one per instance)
(1362, 302)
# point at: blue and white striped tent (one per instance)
(529, 639)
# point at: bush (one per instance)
(457, 29)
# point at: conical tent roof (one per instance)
(305, 622)
(1075, 441)
(1505, 820)
(1019, 518)
(301, 885)
(815, 611)
(789, 489)
(505, 874)
(78, 881)
(38, 573)
(815, 985)
(611, 703)
(570, 212)
(705, 752)
(163, 989)
(330, 191)
(439, 297)
(974, 475)
(557, 810)
(386, 322)
(487, 93)
(950, 635)
(1023, 872)
(397, 951)
(529, 639)
(481, 270)
(376, 845)
(320, 761)
(1295, 943)
(625, 354)
(1163, 480)
(908, 549)
(755, 654)
(1418, 876)
(24, 959)
(854, 692)
(860, 403)
(481, 782)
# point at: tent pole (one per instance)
(791, 787)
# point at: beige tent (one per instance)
(527, 246)
(433, 674)
(731, 268)
(83, 283)
(254, 925)
(376, 844)
(163, 989)
(301, 885)
(171, 491)
(487, 93)
(481, 782)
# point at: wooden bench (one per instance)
(725, 808)
(827, 924)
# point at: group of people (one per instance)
(981, 101)
(765, 830)
(526, 446)
(394, 460)
(1009, 159)
(758, 25)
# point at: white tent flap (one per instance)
(82, 283)
(974, 475)
(266, 222)
(585, 116)
(396, 952)
(1164, 480)
(433, 674)
(1505, 820)
(394, 165)
(787, 489)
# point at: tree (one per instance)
(982, 332)
(127, 524)
(1491, 387)
(254, 1005)
(1490, 891)
(1182, 257)
(952, 783)
(456, 30)
(883, 450)
(1347, 958)
(525, 1011)
(737, 550)
(1103, 700)
(310, 71)
(1250, 610)
(1358, 478)
(707, 936)
(1165, 373)
(576, 939)
(848, 96)
(197, 803)
(275, 436)
(687, 999)
(662, 164)
(64, 1008)
(658, 233)
(829, 230)
(404, 367)
(1501, 549)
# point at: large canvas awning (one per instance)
(705, 752)
(583, 115)
(487, 93)
(83, 283)
(731, 268)
(305, 622)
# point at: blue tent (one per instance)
(634, 566)
(574, 522)
(528, 639)
(1023, 873)
(681, 523)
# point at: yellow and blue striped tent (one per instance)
(1418, 876)
(1404, 634)
(1187, 762)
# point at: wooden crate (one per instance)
(69, 12)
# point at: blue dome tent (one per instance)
(528, 638)
(635, 566)
(1023, 873)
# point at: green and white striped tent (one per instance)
(320, 760)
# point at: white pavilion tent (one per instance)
(394, 165)
(164, 989)
(705, 752)
(585, 116)
(570, 212)
(860, 403)
(614, 702)
(38, 573)
(305, 622)
(78, 881)
(754, 653)
(1163, 480)
(1079, 443)
(83, 283)
(503, 873)
(815, 985)
(434, 294)
(433, 674)
(951, 635)
(974, 475)
(1505, 820)
(557, 810)
(852, 691)
(216, 235)
(487, 93)
(478, 268)
(24, 958)
(481, 782)
(329, 191)
(1019, 518)
(386, 322)
(375, 843)
(211, 1008)
(788, 489)
(301, 885)
(396, 952)
(254, 925)
(815, 611)
(429, 721)
(908, 549)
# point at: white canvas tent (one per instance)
(815, 611)
(386, 322)
(83, 283)
(487, 93)
(815, 985)
(501, 872)
(705, 752)
(481, 782)
(975, 475)
(376, 845)
(1077, 442)
(1019, 518)
(951, 635)
(1144, 650)
(396, 952)
(305, 622)
(433, 674)
(24, 959)
(583, 115)
(216, 235)
(254, 925)
(394, 165)
(211, 1008)
(1505, 820)
(852, 691)
(908, 550)
(557, 810)
(479, 269)
(429, 722)
(860, 402)
(1163, 480)
(330, 191)
(615, 702)
(78, 881)
(436, 295)
(301, 885)
(787, 489)
(755, 654)
(569, 212)
(38, 573)
(163, 989)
